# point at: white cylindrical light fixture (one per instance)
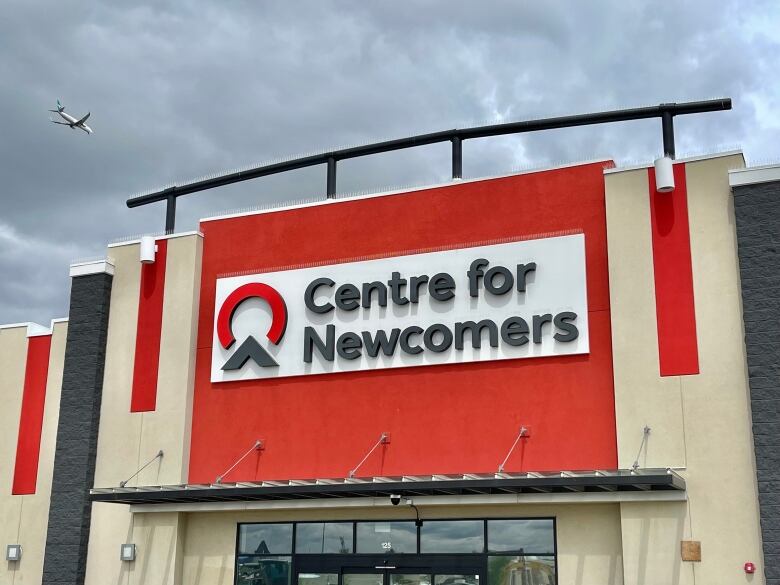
(664, 174)
(148, 249)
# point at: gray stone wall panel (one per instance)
(77, 431)
(757, 211)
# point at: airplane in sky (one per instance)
(70, 120)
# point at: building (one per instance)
(557, 376)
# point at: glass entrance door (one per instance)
(397, 576)
(442, 579)
(410, 579)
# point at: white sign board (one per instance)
(513, 300)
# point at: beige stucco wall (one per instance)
(700, 423)
(589, 542)
(13, 352)
(128, 440)
(24, 519)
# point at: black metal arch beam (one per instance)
(456, 136)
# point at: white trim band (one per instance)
(95, 267)
(754, 175)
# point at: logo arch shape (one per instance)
(247, 291)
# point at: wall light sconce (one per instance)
(13, 552)
(127, 552)
(148, 249)
(664, 174)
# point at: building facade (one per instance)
(557, 376)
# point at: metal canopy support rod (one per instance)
(523, 434)
(645, 434)
(258, 446)
(456, 135)
(384, 439)
(147, 464)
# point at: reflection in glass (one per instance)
(526, 570)
(363, 579)
(386, 537)
(255, 570)
(324, 537)
(448, 536)
(401, 579)
(318, 579)
(523, 536)
(456, 580)
(263, 539)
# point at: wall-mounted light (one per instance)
(127, 552)
(664, 174)
(13, 552)
(148, 249)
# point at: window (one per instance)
(452, 536)
(263, 570)
(264, 539)
(260, 549)
(535, 536)
(323, 537)
(532, 543)
(521, 570)
(386, 537)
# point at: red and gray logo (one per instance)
(250, 348)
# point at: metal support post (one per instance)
(170, 214)
(331, 190)
(667, 127)
(457, 158)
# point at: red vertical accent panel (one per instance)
(147, 341)
(28, 445)
(678, 350)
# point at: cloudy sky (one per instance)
(182, 89)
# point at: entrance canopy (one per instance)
(563, 482)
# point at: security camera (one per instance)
(395, 499)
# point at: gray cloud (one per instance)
(178, 90)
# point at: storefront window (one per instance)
(517, 570)
(263, 570)
(323, 538)
(264, 539)
(386, 537)
(522, 536)
(452, 536)
(517, 552)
